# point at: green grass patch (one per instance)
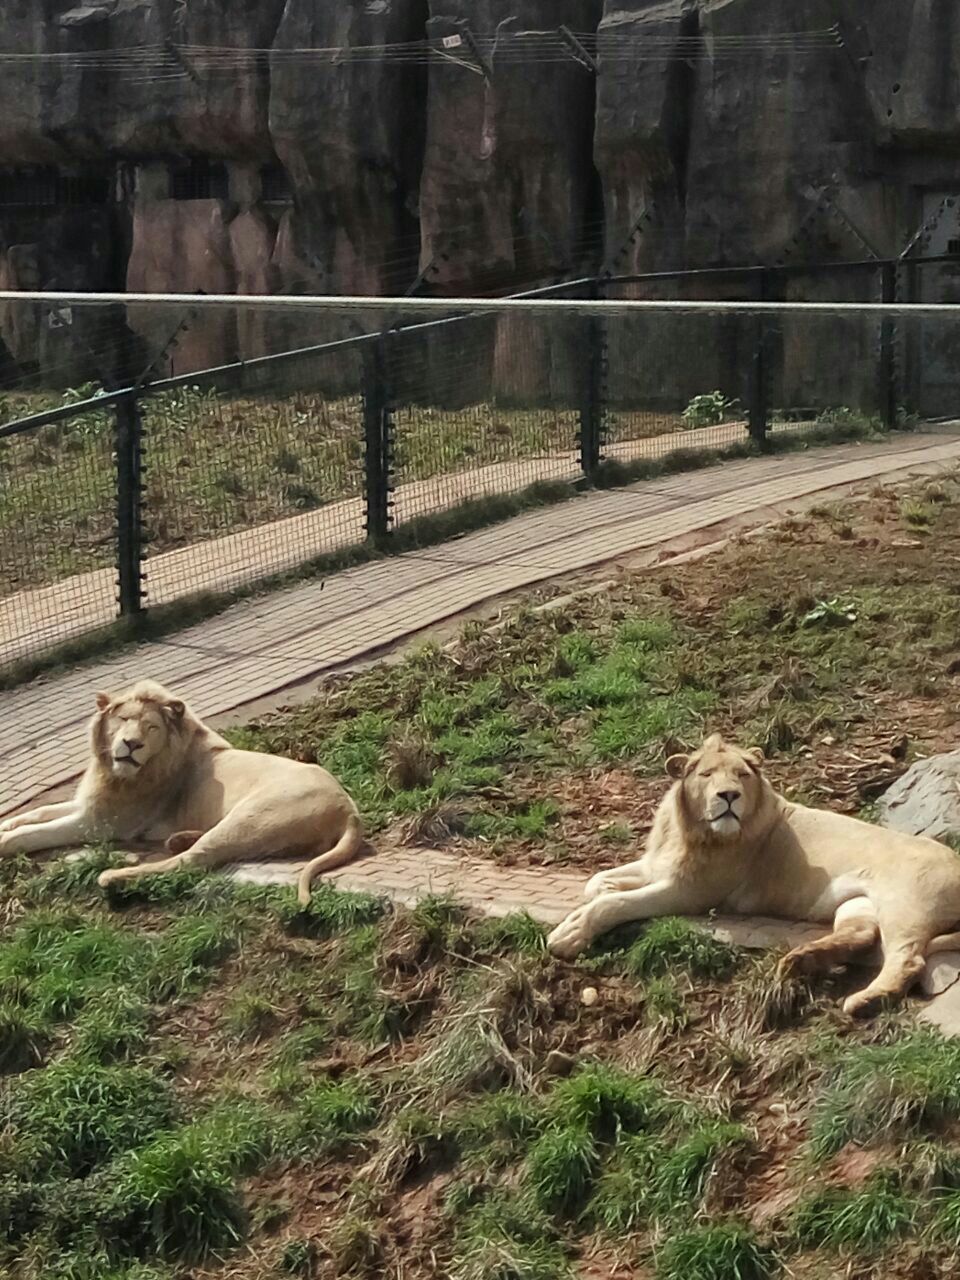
(75, 1115)
(862, 1220)
(718, 1251)
(507, 1238)
(670, 945)
(876, 1092)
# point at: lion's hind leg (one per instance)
(855, 929)
(904, 959)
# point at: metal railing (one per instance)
(357, 418)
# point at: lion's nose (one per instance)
(729, 796)
(132, 744)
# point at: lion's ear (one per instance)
(176, 708)
(676, 765)
(103, 701)
(755, 757)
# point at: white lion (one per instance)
(723, 839)
(157, 773)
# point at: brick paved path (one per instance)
(261, 646)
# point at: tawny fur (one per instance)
(157, 773)
(724, 840)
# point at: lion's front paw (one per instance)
(571, 936)
(615, 881)
(11, 824)
(9, 844)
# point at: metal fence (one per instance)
(346, 426)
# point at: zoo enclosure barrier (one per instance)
(177, 477)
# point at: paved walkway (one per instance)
(265, 645)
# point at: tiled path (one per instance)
(264, 645)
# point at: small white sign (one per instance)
(452, 42)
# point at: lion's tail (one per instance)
(345, 849)
(945, 942)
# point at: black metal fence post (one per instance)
(888, 390)
(129, 454)
(758, 408)
(376, 427)
(593, 391)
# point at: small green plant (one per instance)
(839, 1218)
(718, 1251)
(328, 1114)
(830, 613)
(561, 1167)
(623, 1201)
(607, 1102)
(515, 934)
(876, 1092)
(177, 1194)
(507, 1238)
(617, 833)
(300, 1258)
(75, 1115)
(330, 911)
(916, 515)
(249, 1015)
(708, 409)
(670, 945)
(112, 1027)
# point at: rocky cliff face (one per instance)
(233, 154)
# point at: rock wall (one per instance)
(236, 153)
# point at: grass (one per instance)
(379, 1053)
(888, 1091)
(669, 945)
(723, 1251)
(862, 1220)
(200, 1076)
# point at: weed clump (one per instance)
(878, 1091)
(718, 1251)
(842, 1219)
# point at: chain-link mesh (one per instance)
(247, 482)
(205, 478)
(57, 534)
(480, 406)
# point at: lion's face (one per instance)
(133, 731)
(721, 786)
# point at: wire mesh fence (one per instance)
(244, 483)
(58, 551)
(482, 407)
(124, 489)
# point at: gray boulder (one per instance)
(926, 800)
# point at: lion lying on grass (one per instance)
(723, 839)
(157, 773)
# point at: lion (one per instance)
(724, 839)
(157, 773)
